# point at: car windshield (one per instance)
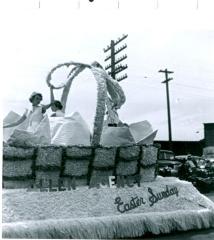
(166, 155)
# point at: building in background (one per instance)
(209, 134)
(192, 147)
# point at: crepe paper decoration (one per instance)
(76, 167)
(17, 168)
(109, 93)
(170, 205)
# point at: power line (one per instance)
(190, 94)
(179, 84)
(195, 87)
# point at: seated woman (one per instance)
(57, 107)
(33, 121)
(57, 118)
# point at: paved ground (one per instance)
(210, 195)
(190, 235)
(207, 234)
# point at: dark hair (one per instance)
(58, 104)
(96, 64)
(33, 96)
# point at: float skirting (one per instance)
(184, 210)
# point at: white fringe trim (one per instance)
(122, 226)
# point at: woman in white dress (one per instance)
(34, 116)
(33, 121)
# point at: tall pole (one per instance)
(168, 104)
(114, 67)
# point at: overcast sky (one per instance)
(178, 36)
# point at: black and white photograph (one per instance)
(107, 119)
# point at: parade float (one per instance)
(106, 189)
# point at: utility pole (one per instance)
(113, 66)
(168, 103)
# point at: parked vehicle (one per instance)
(200, 172)
(191, 168)
(167, 164)
(184, 158)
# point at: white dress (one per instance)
(39, 129)
(35, 129)
(34, 118)
(58, 113)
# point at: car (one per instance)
(200, 172)
(195, 169)
(166, 155)
(167, 164)
(184, 158)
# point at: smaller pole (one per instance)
(112, 60)
(168, 105)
